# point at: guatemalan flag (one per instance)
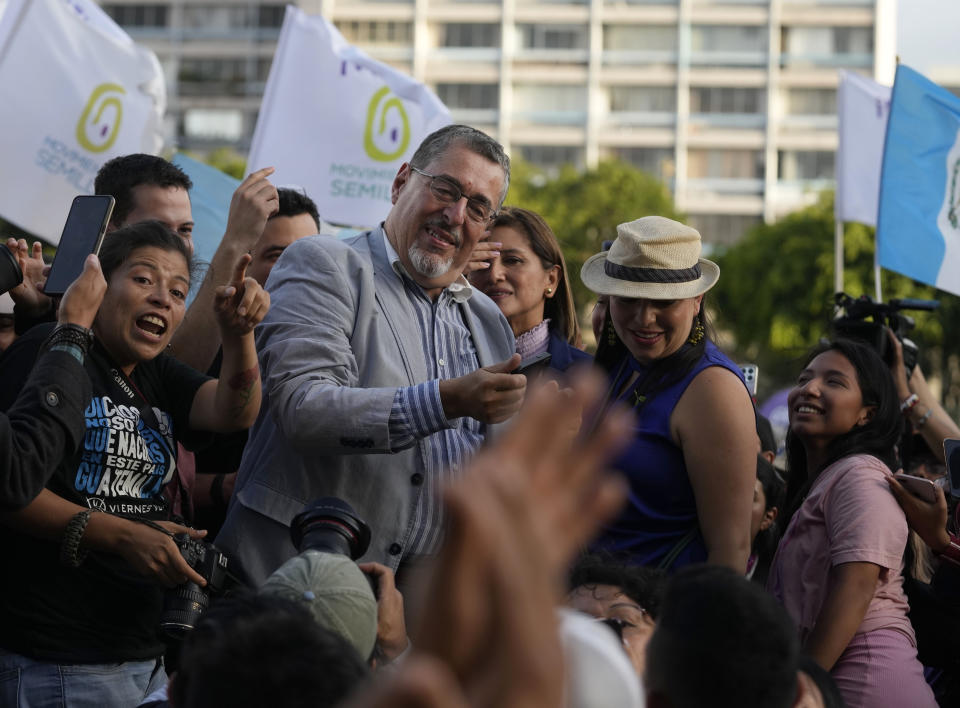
(918, 229)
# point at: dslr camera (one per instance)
(866, 320)
(183, 605)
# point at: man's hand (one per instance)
(491, 394)
(928, 519)
(254, 201)
(241, 305)
(481, 255)
(82, 300)
(391, 629)
(897, 367)
(29, 295)
(154, 554)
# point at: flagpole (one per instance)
(876, 270)
(838, 256)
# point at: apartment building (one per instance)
(731, 102)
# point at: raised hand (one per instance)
(29, 294)
(481, 255)
(82, 299)
(253, 202)
(242, 304)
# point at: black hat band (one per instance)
(651, 275)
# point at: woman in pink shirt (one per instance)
(838, 568)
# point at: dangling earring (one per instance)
(697, 333)
(611, 334)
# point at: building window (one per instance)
(723, 229)
(643, 99)
(549, 98)
(712, 99)
(235, 77)
(387, 33)
(470, 96)
(213, 124)
(271, 15)
(552, 36)
(470, 35)
(725, 164)
(827, 41)
(812, 102)
(552, 157)
(138, 15)
(640, 38)
(728, 38)
(652, 160)
(805, 164)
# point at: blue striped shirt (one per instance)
(417, 410)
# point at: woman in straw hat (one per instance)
(528, 281)
(692, 462)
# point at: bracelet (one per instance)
(70, 553)
(923, 419)
(909, 402)
(70, 335)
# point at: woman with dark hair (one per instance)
(90, 554)
(691, 464)
(838, 568)
(528, 280)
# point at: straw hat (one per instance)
(654, 258)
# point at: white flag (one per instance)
(75, 91)
(339, 123)
(863, 107)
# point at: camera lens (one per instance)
(330, 525)
(182, 607)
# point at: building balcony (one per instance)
(747, 121)
(550, 118)
(465, 54)
(475, 116)
(613, 57)
(620, 119)
(832, 61)
(559, 56)
(809, 122)
(729, 58)
(724, 185)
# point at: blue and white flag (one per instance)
(918, 229)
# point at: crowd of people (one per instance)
(382, 471)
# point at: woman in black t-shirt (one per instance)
(89, 623)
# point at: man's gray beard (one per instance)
(427, 264)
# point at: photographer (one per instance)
(79, 628)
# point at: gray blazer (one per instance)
(340, 338)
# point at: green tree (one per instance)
(227, 161)
(775, 295)
(584, 208)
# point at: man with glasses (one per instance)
(382, 369)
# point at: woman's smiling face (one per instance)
(827, 401)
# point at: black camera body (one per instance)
(183, 605)
(865, 320)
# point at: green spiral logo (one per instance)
(375, 134)
(99, 124)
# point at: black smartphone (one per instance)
(533, 364)
(82, 235)
(951, 453)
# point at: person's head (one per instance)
(768, 493)
(768, 441)
(528, 280)
(296, 218)
(443, 202)
(147, 187)
(263, 650)
(147, 268)
(655, 280)
(844, 403)
(720, 641)
(627, 597)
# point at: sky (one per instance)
(927, 33)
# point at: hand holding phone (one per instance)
(82, 235)
(533, 364)
(920, 487)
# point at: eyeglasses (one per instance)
(449, 192)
